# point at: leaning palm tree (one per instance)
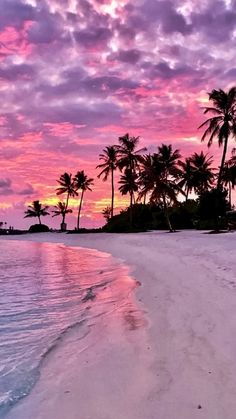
(82, 182)
(203, 173)
(223, 124)
(109, 158)
(66, 187)
(129, 185)
(61, 209)
(36, 210)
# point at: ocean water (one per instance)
(45, 290)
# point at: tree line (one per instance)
(161, 177)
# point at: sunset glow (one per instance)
(76, 74)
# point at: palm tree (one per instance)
(109, 157)
(229, 176)
(162, 179)
(203, 176)
(82, 182)
(128, 155)
(222, 124)
(106, 212)
(145, 171)
(186, 176)
(66, 187)
(36, 210)
(128, 184)
(60, 209)
(169, 160)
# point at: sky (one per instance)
(77, 74)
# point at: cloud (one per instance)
(93, 38)
(76, 75)
(216, 22)
(5, 183)
(17, 71)
(5, 187)
(28, 190)
(131, 56)
(15, 13)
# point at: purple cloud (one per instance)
(15, 13)
(5, 187)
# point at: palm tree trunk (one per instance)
(39, 219)
(63, 226)
(80, 206)
(187, 192)
(67, 202)
(112, 192)
(131, 209)
(230, 196)
(222, 163)
(144, 199)
(167, 215)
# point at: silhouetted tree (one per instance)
(186, 176)
(145, 172)
(36, 210)
(128, 155)
(213, 204)
(222, 124)
(128, 184)
(106, 212)
(109, 157)
(229, 176)
(203, 176)
(82, 182)
(162, 179)
(66, 187)
(60, 209)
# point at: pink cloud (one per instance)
(75, 78)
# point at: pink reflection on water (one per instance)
(101, 283)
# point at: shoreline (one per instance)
(189, 295)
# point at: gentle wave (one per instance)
(45, 291)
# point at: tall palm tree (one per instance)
(109, 158)
(222, 125)
(61, 209)
(203, 176)
(66, 187)
(36, 210)
(82, 182)
(128, 184)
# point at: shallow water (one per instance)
(45, 289)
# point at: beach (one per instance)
(174, 360)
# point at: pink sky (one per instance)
(77, 74)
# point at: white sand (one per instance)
(183, 358)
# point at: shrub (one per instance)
(38, 228)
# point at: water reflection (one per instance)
(48, 288)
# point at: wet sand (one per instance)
(178, 361)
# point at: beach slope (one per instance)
(179, 363)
